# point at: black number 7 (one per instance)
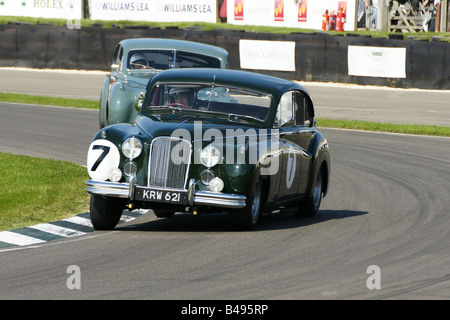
(102, 156)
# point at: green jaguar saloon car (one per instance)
(136, 61)
(211, 140)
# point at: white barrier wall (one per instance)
(154, 10)
(267, 55)
(59, 9)
(377, 61)
(306, 14)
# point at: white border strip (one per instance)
(18, 239)
(80, 220)
(59, 231)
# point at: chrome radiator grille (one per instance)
(169, 163)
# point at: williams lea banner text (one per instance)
(154, 10)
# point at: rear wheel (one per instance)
(105, 212)
(247, 217)
(310, 205)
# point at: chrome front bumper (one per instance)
(196, 197)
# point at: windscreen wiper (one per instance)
(236, 117)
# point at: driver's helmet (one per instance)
(138, 60)
(176, 91)
(181, 90)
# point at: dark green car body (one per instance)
(246, 144)
(124, 84)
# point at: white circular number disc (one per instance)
(102, 156)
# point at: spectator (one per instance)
(373, 6)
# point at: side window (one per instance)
(119, 62)
(302, 110)
(285, 114)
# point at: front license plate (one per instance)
(155, 195)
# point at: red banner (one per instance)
(302, 11)
(279, 10)
(238, 9)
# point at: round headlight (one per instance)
(209, 156)
(129, 168)
(206, 176)
(115, 175)
(132, 148)
(216, 185)
(140, 101)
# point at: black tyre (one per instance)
(310, 205)
(105, 212)
(247, 217)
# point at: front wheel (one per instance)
(247, 217)
(309, 206)
(105, 212)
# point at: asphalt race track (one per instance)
(387, 211)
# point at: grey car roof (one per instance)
(157, 43)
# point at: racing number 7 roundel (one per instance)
(102, 156)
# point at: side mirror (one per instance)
(114, 67)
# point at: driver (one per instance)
(138, 61)
(180, 96)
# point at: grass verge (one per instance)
(48, 101)
(416, 129)
(35, 190)
(445, 36)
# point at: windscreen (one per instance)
(211, 98)
(169, 59)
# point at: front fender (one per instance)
(245, 166)
(121, 104)
(241, 178)
(320, 157)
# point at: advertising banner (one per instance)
(267, 55)
(57, 9)
(377, 62)
(154, 10)
(306, 14)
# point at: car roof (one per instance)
(237, 78)
(146, 43)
